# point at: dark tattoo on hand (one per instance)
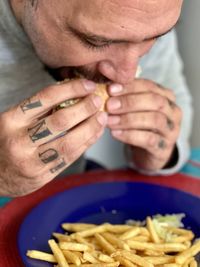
(162, 144)
(171, 104)
(30, 104)
(60, 166)
(39, 131)
(34, 3)
(49, 155)
(170, 124)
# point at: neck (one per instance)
(16, 6)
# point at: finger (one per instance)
(142, 102)
(50, 97)
(141, 86)
(152, 121)
(151, 142)
(63, 120)
(60, 153)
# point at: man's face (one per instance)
(102, 39)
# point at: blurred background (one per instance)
(110, 152)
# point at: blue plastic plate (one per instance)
(113, 202)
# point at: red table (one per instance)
(12, 215)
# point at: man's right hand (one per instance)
(30, 153)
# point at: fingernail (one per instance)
(102, 118)
(113, 120)
(117, 132)
(97, 101)
(116, 88)
(113, 104)
(89, 85)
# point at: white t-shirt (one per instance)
(22, 74)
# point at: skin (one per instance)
(103, 40)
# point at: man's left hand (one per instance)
(145, 116)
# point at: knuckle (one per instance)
(66, 150)
(171, 95)
(60, 121)
(159, 100)
(151, 139)
(46, 93)
(5, 123)
(128, 101)
(159, 121)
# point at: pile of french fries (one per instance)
(108, 245)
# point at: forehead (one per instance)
(142, 17)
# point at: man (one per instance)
(103, 41)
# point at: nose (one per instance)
(121, 66)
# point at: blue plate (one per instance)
(112, 202)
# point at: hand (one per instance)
(145, 116)
(36, 144)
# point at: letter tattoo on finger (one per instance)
(30, 104)
(50, 155)
(162, 144)
(39, 131)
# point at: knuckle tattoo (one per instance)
(30, 104)
(39, 131)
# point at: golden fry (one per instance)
(39, 255)
(105, 258)
(71, 257)
(77, 227)
(89, 257)
(104, 244)
(166, 247)
(150, 226)
(133, 232)
(133, 258)
(123, 261)
(115, 241)
(74, 246)
(192, 251)
(58, 253)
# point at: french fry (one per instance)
(115, 241)
(150, 226)
(74, 246)
(104, 244)
(117, 228)
(77, 227)
(192, 251)
(154, 253)
(171, 265)
(61, 237)
(91, 231)
(193, 263)
(141, 238)
(71, 257)
(105, 258)
(112, 264)
(130, 233)
(133, 258)
(58, 253)
(125, 262)
(39, 255)
(89, 257)
(160, 259)
(166, 247)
